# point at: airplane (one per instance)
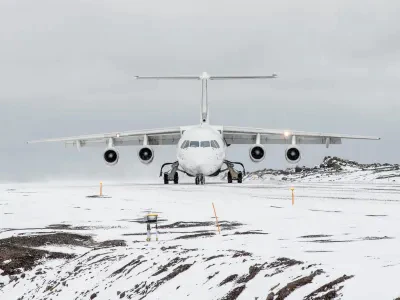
(201, 149)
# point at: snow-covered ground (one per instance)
(339, 228)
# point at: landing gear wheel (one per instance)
(229, 177)
(240, 177)
(200, 179)
(166, 181)
(176, 178)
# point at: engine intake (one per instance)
(293, 155)
(146, 155)
(111, 156)
(257, 153)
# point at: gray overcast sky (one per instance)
(67, 67)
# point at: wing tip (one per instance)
(371, 138)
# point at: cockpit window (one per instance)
(194, 144)
(214, 144)
(185, 144)
(205, 144)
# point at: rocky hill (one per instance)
(332, 169)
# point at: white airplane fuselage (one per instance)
(201, 150)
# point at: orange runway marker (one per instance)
(216, 219)
(292, 189)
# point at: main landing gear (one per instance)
(171, 175)
(234, 174)
(200, 179)
(175, 179)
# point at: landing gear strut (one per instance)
(171, 175)
(200, 179)
(234, 174)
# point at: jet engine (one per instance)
(257, 153)
(293, 155)
(111, 156)
(146, 155)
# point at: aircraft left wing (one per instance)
(162, 136)
(245, 135)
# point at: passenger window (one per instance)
(214, 144)
(185, 144)
(194, 144)
(205, 144)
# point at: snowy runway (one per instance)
(334, 229)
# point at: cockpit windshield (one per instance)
(202, 144)
(205, 144)
(214, 144)
(194, 144)
(185, 144)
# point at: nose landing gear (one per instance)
(200, 179)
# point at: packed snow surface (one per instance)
(338, 241)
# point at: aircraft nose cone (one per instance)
(207, 166)
(200, 161)
(200, 169)
(204, 169)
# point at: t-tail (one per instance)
(205, 77)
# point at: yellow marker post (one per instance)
(151, 219)
(101, 189)
(292, 189)
(216, 219)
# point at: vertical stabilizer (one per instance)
(205, 111)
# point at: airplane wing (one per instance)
(162, 136)
(245, 135)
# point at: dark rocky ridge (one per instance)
(21, 252)
(331, 166)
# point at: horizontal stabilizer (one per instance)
(206, 76)
(168, 77)
(243, 77)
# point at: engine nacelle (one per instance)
(111, 156)
(257, 153)
(293, 154)
(146, 155)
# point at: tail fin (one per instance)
(204, 113)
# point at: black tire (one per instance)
(240, 177)
(229, 177)
(176, 178)
(166, 181)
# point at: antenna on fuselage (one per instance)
(204, 77)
